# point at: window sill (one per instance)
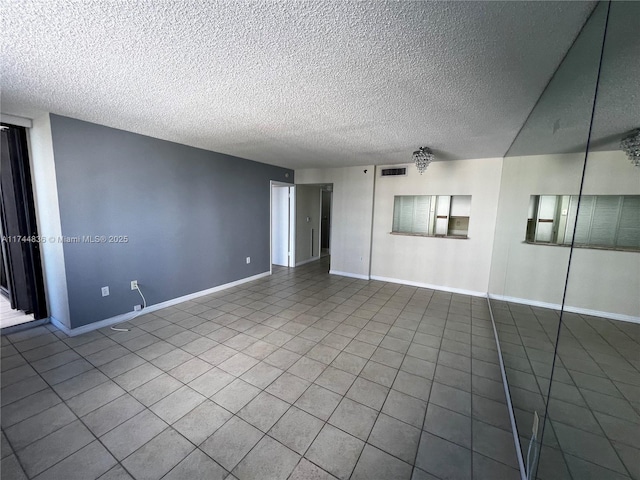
(455, 237)
(584, 247)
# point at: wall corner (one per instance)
(45, 192)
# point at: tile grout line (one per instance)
(431, 388)
(96, 438)
(79, 418)
(472, 395)
(318, 300)
(586, 404)
(605, 436)
(325, 422)
(366, 442)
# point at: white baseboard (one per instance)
(61, 326)
(308, 260)
(441, 288)
(107, 322)
(567, 308)
(72, 332)
(350, 275)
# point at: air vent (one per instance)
(394, 172)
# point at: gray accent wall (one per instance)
(191, 216)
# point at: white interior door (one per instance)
(280, 226)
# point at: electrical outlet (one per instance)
(134, 284)
(248, 260)
(137, 308)
(105, 291)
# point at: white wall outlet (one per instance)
(248, 260)
(105, 291)
(134, 284)
(137, 308)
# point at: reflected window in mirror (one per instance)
(604, 221)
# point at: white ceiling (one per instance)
(292, 83)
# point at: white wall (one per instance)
(461, 265)
(307, 206)
(352, 215)
(495, 258)
(45, 191)
(601, 280)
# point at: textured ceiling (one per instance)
(292, 83)
(561, 120)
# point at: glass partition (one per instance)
(540, 188)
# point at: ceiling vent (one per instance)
(393, 172)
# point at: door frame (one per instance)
(23, 203)
(292, 222)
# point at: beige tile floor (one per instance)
(300, 375)
(593, 430)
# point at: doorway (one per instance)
(21, 279)
(325, 220)
(282, 225)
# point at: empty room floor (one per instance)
(594, 412)
(299, 375)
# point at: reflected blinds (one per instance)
(629, 226)
(605, 220)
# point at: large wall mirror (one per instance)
(566, 261)
(594, 399)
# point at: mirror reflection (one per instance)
(565, 267)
